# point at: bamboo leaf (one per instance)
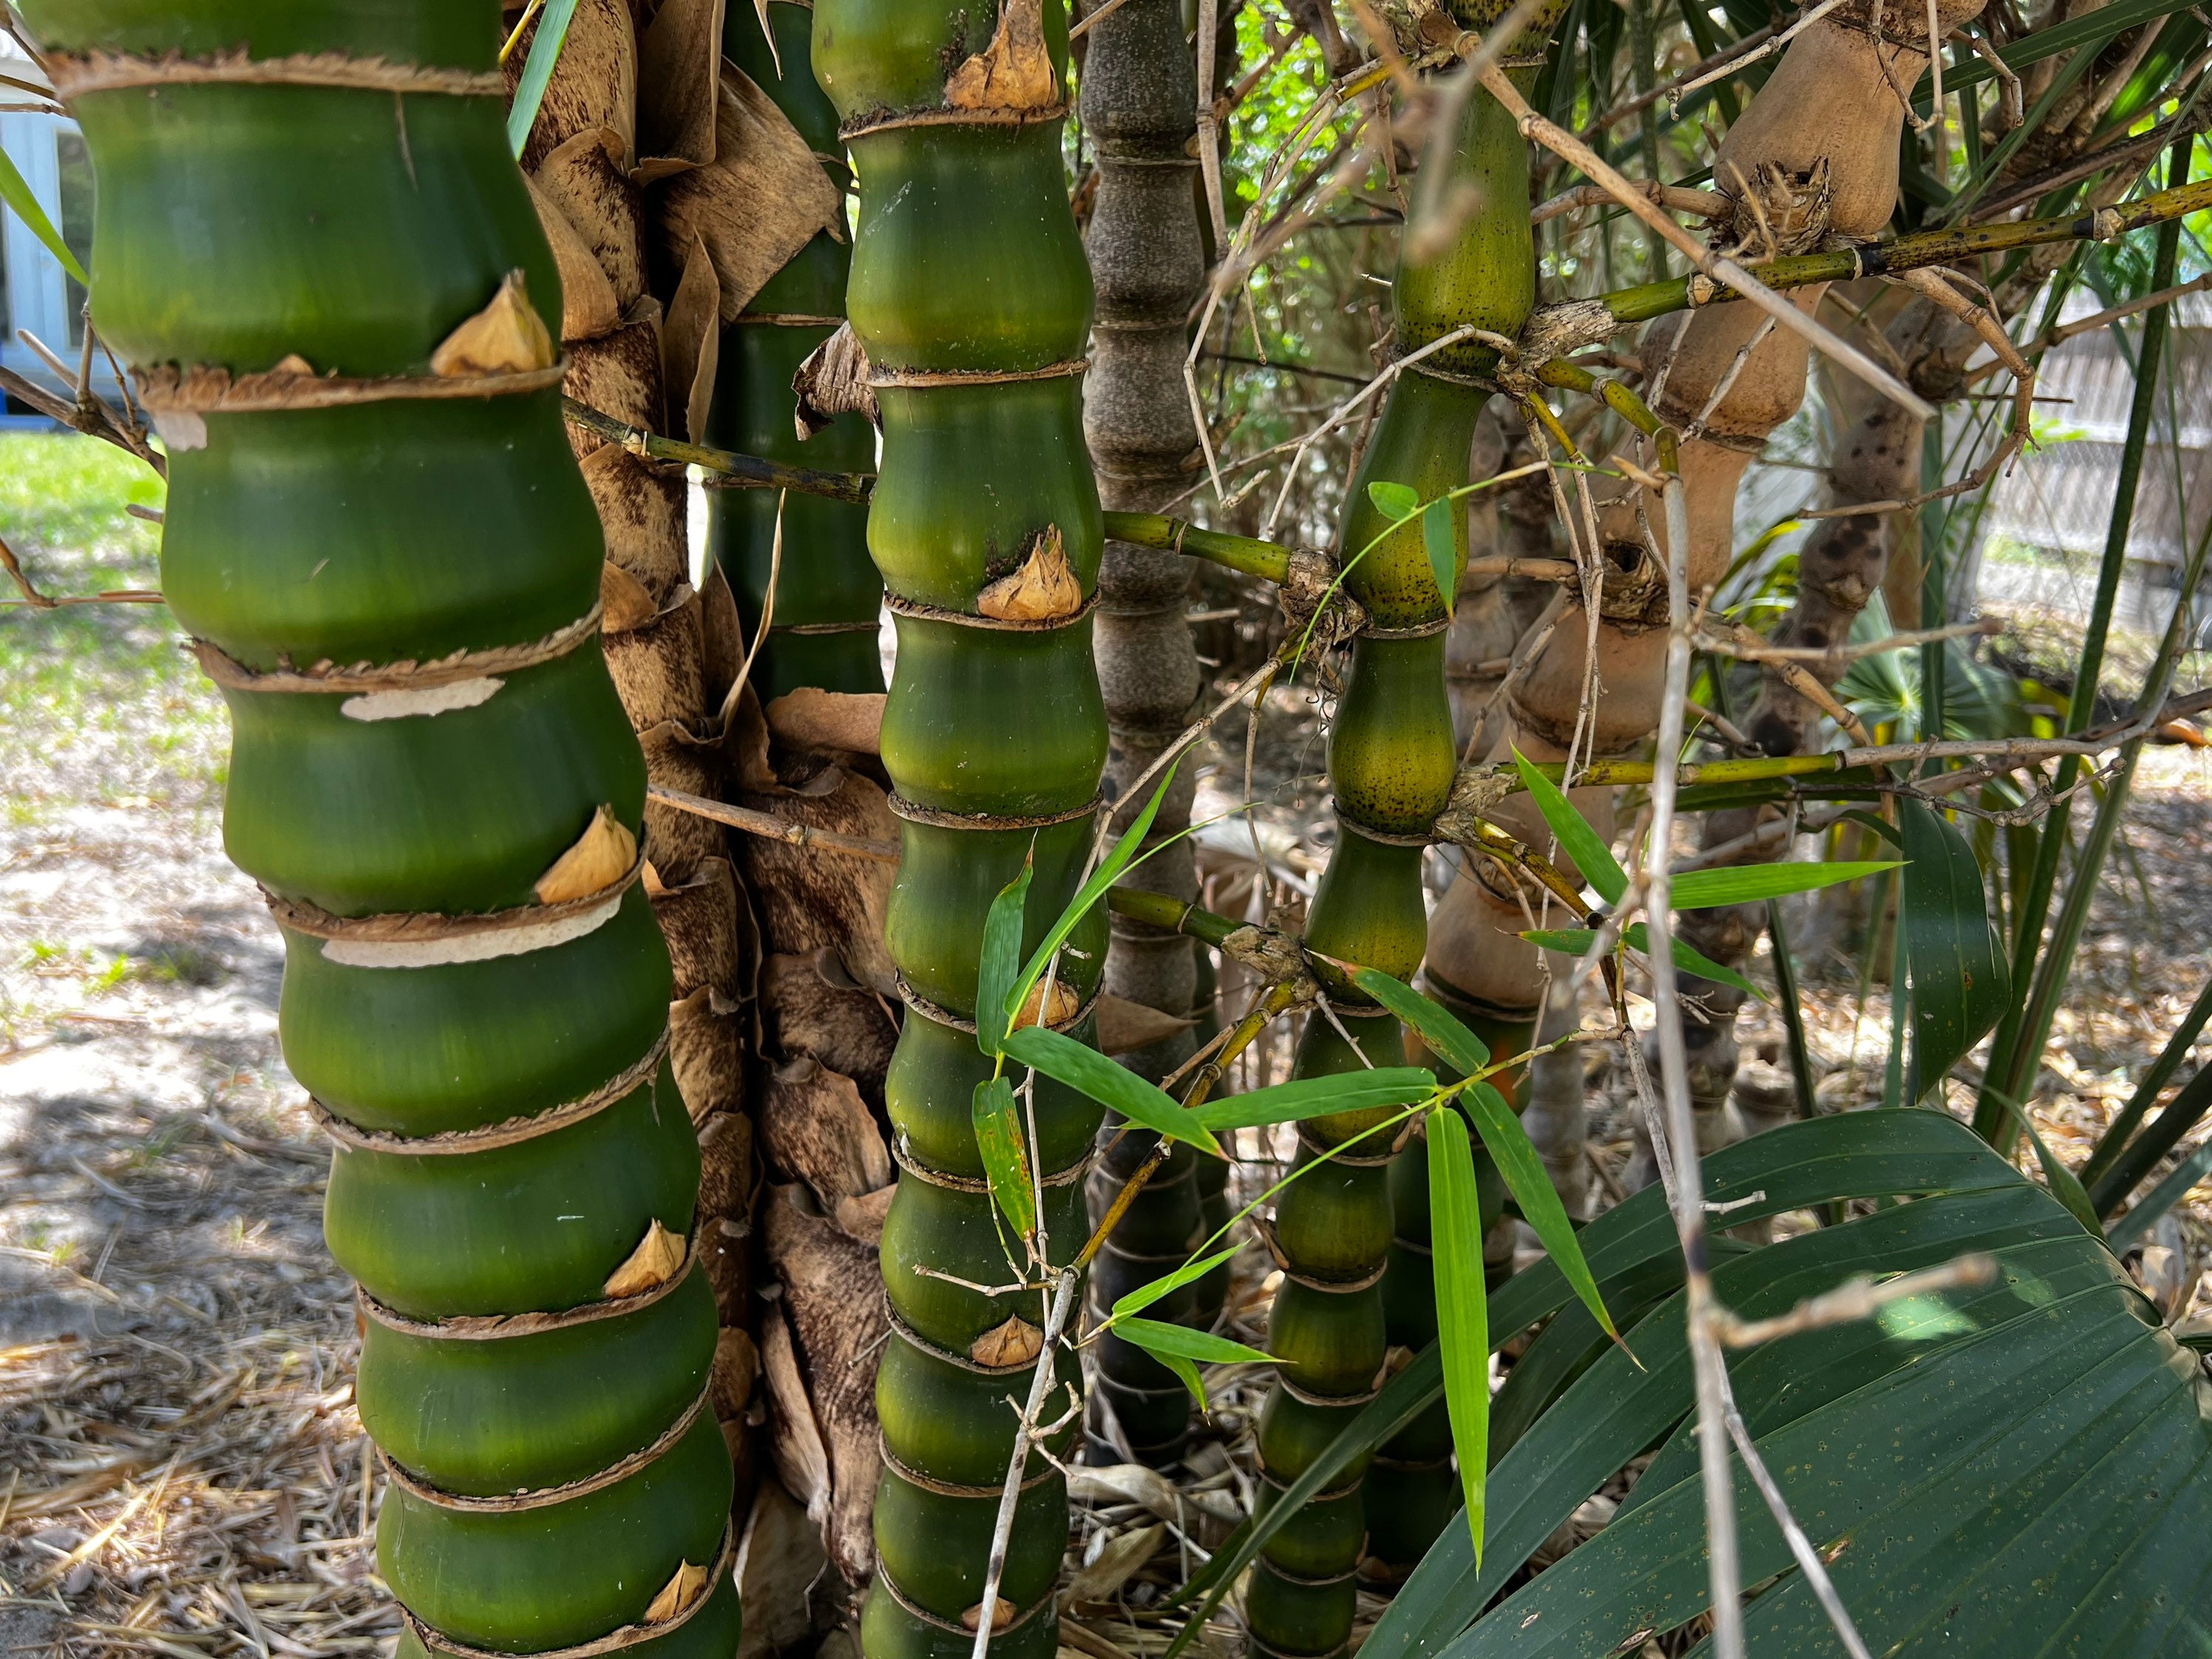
(1577, 839)
(1318, 1096)
(1085, 1069)
(1465, 1053)
(1001, 960)
(1530, 1184)
(1961, 981)
(1698, 889)
(1462, 1305)
(538, 71)
(1109, 870)
(1145, 1295)
(1394, 500)
(1639, 938)
(1005, 1158)
(1436, 541)
(1574, 941)
(15, 191)
(1189, 1376)
(1159, 1339)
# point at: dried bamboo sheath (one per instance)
(969, 294)
(1391, 759)
(539, 1339)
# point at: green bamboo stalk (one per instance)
(482, 1031)
(2016, 1048)
(1391, 763)
(823, 631)
(970, 294)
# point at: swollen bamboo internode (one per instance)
(378, 535)
(969, 294)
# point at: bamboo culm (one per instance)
(1139, 101)
(828, 597)
(367, 467)
(970, 294)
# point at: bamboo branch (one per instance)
(1571, 325)
(741, 471)
(771, 827)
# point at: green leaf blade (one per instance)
(1318, 1096)
(15, 190)
(1446, 1037)
(1394, 500)
(998, 1125)
(1443, 549)
(1001, 961)
(1145, 1295)
(1591, 856)
(538, 71)
(1526, 1178)
(1700, 889)
(1463, 1306)
(1639, 938)
(1085, 1069)
(1159, 1339)
(1961, 973)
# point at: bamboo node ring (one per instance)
(544, 1497)
(76, 74)
(508, 1131)
(492, 1327)
(365, 678)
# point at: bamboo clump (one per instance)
(377, 534)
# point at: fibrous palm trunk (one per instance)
(1391, 760)
(969, 294)
(378, 536)
(643, 351)
(1139, 95)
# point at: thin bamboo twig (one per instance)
(742, 472)
(1685, 1191)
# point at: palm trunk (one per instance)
(969, 294)
(1391, 761)
(634, 164)
(1139, 96)
(377, 535)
